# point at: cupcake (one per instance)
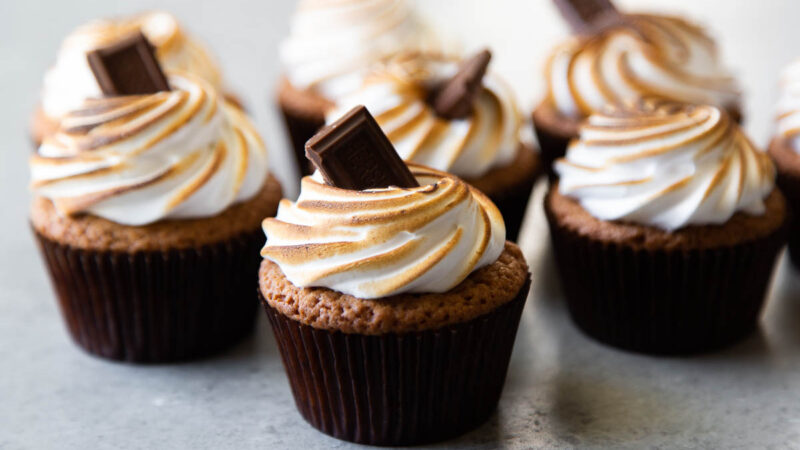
(647, 55)
(70, 80)
(147, 211)
(666, 225)
(785, 150)
(395, 309)
(483, 148)
(330, 46)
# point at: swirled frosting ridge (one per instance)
(381, 242)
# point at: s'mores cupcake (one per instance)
(147, 211)
(393, 294)
(666, 224)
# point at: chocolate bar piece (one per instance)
(587, 16)
(453, 99)
(353, 153)
(128, 67)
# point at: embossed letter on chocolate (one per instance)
(353, 153)
(454, 98)
(127, 67)
(587, 16)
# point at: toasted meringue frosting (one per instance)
(380, 242)
(667, 165)
(788, 108)
(333, 42)
(395, 93)
(70, 81)
(659, 56)
(134, 160)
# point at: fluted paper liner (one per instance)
(790, 186)
(666, 301)
(552, 146)
(156, 306)
(512, 206)
(399, 389)
(301, 128)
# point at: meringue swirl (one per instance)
(396, 94)
(70, 81)
(134, 160)
(788, 108)
(667, 165)
(332, 42)
(380, 242)
(658, 56)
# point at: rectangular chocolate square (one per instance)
(455, 97)
(127, 67)
(354, 153)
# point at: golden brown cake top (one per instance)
(742, 227)
(91, 232)
(484, 290)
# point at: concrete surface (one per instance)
(563, 390)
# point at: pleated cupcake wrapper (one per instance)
(790, 187)
(399, 389)
(513, 206)
(664, 302)
(551, 146)
(156, 306)
(301, 128)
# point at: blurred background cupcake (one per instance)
(483, 148)
(70, 80)
(785, 150)
(147, 211)
(403, 302)
(666, 224)
(646, 55)
(330, 47)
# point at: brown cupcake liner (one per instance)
(552, 147)
(399, 389)
(790, 186)
(664, 301)
(301, 128)
(156, 306)
(513, 206)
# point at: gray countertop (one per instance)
(563, 389)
